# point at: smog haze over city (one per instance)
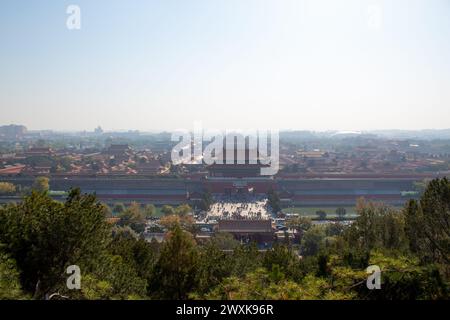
(290, 64)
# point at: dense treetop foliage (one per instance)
(40, 238)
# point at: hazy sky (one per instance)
(163, 64)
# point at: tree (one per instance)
(150, 211)
(41, 184)
(285, 259)
(377, 226)
(213, 265)
(7, 188)
(206, 201)
(119, 208)
(300, 224)
(168, 210)
(341, 212)
(174, 274)
(224, 241)
(140, 255)
(183, 210)
(322, 215)
(133, 217)
(261, 284)
(119, 277)
(421, 186)
(334, 229)
(44, 236)
(107, 210)
(273, 200)
(427, 223)
(172, 221)
(66, 163)
(404, 278)
(9, 278)
(255, 285)
(246, 258)
(312, 240)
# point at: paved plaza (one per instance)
(239, 207)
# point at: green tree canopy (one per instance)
(45, 236)
(41, 184)
(428, 222)
(322, 215)
(312, 241)
(7, 188)
(149, 211)
(118, 208)
(168, 210)
(175, 271)
(183, 210)
(10, 288)
(133, 217)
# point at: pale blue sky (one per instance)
(231, 64)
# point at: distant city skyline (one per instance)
(392, 133)
(230, 64)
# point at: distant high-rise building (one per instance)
(12, 131)
(98, 130)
